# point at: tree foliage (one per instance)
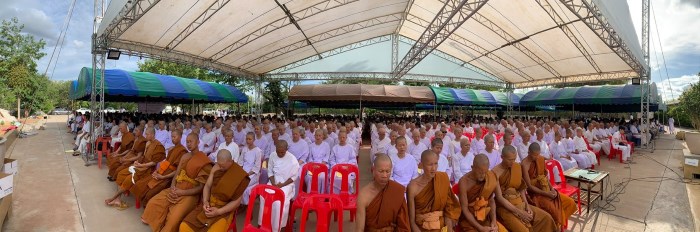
(18, 70)
(275, 95)
(689, 104)
(189, 71)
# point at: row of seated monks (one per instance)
(189, 190)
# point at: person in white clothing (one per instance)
(283, 170)
(544, 147)
(404, 167)
(250, 160)
(319, 152)
(462, 161)
(416, 148)
(391, 149)
(523, 145)
(381, 143)
(491, 152)
(582, 148)
(620, 143)
(343, 153)
(208, 140)
(228, 144)
(507, 140)
(671, 126)
(560, 153)
(570, 145)
(478, 145)
(437, 146)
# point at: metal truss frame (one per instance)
(334, 52)
(390, 18)
(476, 48)
(646, 76)
(99, 53)
(450, 17)
(280, 23)
(201, 19)
(127, 17)
(547, 7)
(579, 79)
(154, 52)
(323, 76)
(593, 18)
(396, 37)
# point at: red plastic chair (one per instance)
(562, 187)
(315, 169)
(597, 154)
(105, 149)
(614, 151)
(324, 205)
(270, 194)
(349, 199)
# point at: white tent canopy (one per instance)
(525, 43)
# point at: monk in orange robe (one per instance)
(431, 204)
(476, 191)
(514, 212)
(160, 179)
(541, 193)
(378, 210)
(124, 161)
(154, 153)
(124, 147)
(222, 195)
(165, 211)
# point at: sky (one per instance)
(676, 22)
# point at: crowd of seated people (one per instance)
(192, 172)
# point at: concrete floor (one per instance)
(54, 191)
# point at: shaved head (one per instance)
(223, 156)
(481, 160)
(381, 158)
(508, 152)
(426, 154)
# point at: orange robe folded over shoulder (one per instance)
(559, 208)
(385, 213)
(511, 181)
(478, 197)
(227, 186)
(434, 202)
(126, 144)
(147, 187)
(155, 152)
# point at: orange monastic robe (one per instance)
(227, 185)
(511, 181)
(126, 144)
(385, 213)
(155, 152)
(139, 147)
(559, 208)
(434, 202)
(163, 215)
(478, 198)
(147, 187)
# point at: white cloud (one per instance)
(35, 20)
(78, 43)
(673, 88)
(677, 22)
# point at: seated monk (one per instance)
(124, 147)
(165, 211)
(154, 153)
(160, 179)
(514, 212)
(476, 191)
(222, 194)
(376, 210)
(124, 161)
(431, 204)
(541, 193)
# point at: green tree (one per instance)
(274, 95)
(689, 104)
(188, 71)
(18, 70)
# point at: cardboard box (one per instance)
(11, 166)
(6, 184)
(5, 208)
(691, 165)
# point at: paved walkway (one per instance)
(54, 191)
